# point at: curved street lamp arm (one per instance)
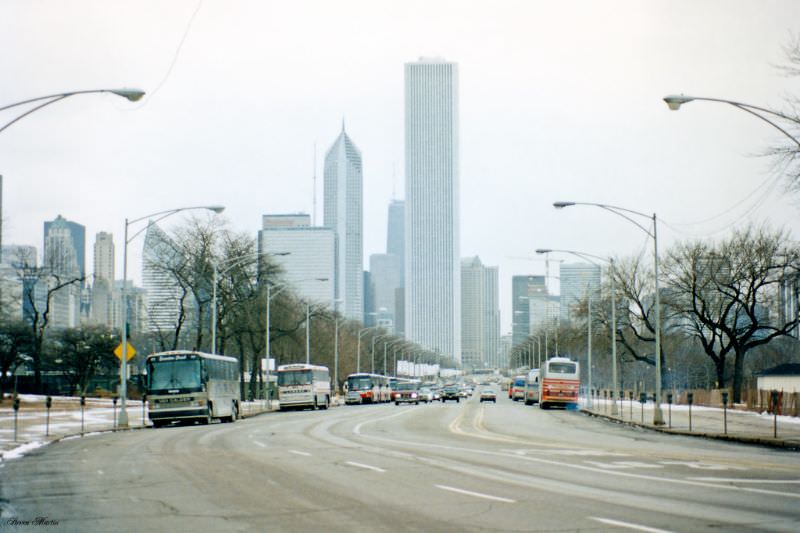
(675, 101)
(613, 209)
(583, 255)
(57, 98)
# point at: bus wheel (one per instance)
(208, 418)
(233, 412)
(327, 403)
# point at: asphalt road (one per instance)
(437, 467)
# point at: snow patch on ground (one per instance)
(19, 451)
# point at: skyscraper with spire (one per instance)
(343, 213)
(433, 270)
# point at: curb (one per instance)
(753, 441)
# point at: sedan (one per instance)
(488, 395)
(425, 395)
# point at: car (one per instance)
(425, 395)
(489, 395)
(406, 393)
(450, 393)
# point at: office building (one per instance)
(480, 314)
(65, 249)
(578, 280)
(386, 278)
(309, 266)
(344, 215)
(165, 298)
(432, 260)
(522, 287)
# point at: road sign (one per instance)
(131, 351)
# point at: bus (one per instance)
(532, 387)
(367, 388)
(185, 385)
(302, 385)
(516, 391)
(559, 382)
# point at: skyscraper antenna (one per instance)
(314, 199)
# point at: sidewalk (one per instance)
(65, 419)
(708, 422)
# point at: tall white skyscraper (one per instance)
(344, 215)
(433, 273)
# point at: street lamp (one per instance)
(123, 366)
(610, 261)
(361, 333)
(658, 416)
(133, 95)
(676, 101)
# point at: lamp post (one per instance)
(676, 101)
(658, 416)
(361, 333)
(123, 366)
(132, 95)
(610, 261)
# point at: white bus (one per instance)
(532, 387)
(559, 382)
(187, 385)
(301, 385)
(367, 388)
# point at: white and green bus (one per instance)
(185, 385)
(302, 385)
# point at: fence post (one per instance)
(775, 414)
(48, 402)
(16, 411)
(630, 405)
(725, 411)
(114, 422)
(690, 401)
(642, 400)
(144, 403)
(83, 405)
(669, 403)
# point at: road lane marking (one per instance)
(628, 525)
(260, 444)
(297, 452)
(676, 481)
(623, 465)
(368, 467)
(476, 494)
(703, 466)
(734, 480)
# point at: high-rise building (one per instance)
(432, 271)
(480, 314)
(102, 305)
(160, 258)
(65, 248)
(522, 287)
(104, 257)
(344, 215)
(577, 281)
(396, 234)
(310, 263)
(386, 277)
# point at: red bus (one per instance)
(559, 382)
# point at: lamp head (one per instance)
(134, 95)
(674, 101)
(562, 205)
(216, 208)
(543, 250)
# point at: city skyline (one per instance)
(212, 130)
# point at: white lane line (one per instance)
(476, 494)
(260, 444)
(368, 467)
(296, 452)
(628, 525)
(734, 480)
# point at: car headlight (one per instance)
(413, 394)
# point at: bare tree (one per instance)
(787, 153)
(725, 293)
(83, 353)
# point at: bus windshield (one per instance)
(174, 374)
(359, 383)
(407, 386)
(294, 377)
(562, 368)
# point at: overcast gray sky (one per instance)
(558, 101)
